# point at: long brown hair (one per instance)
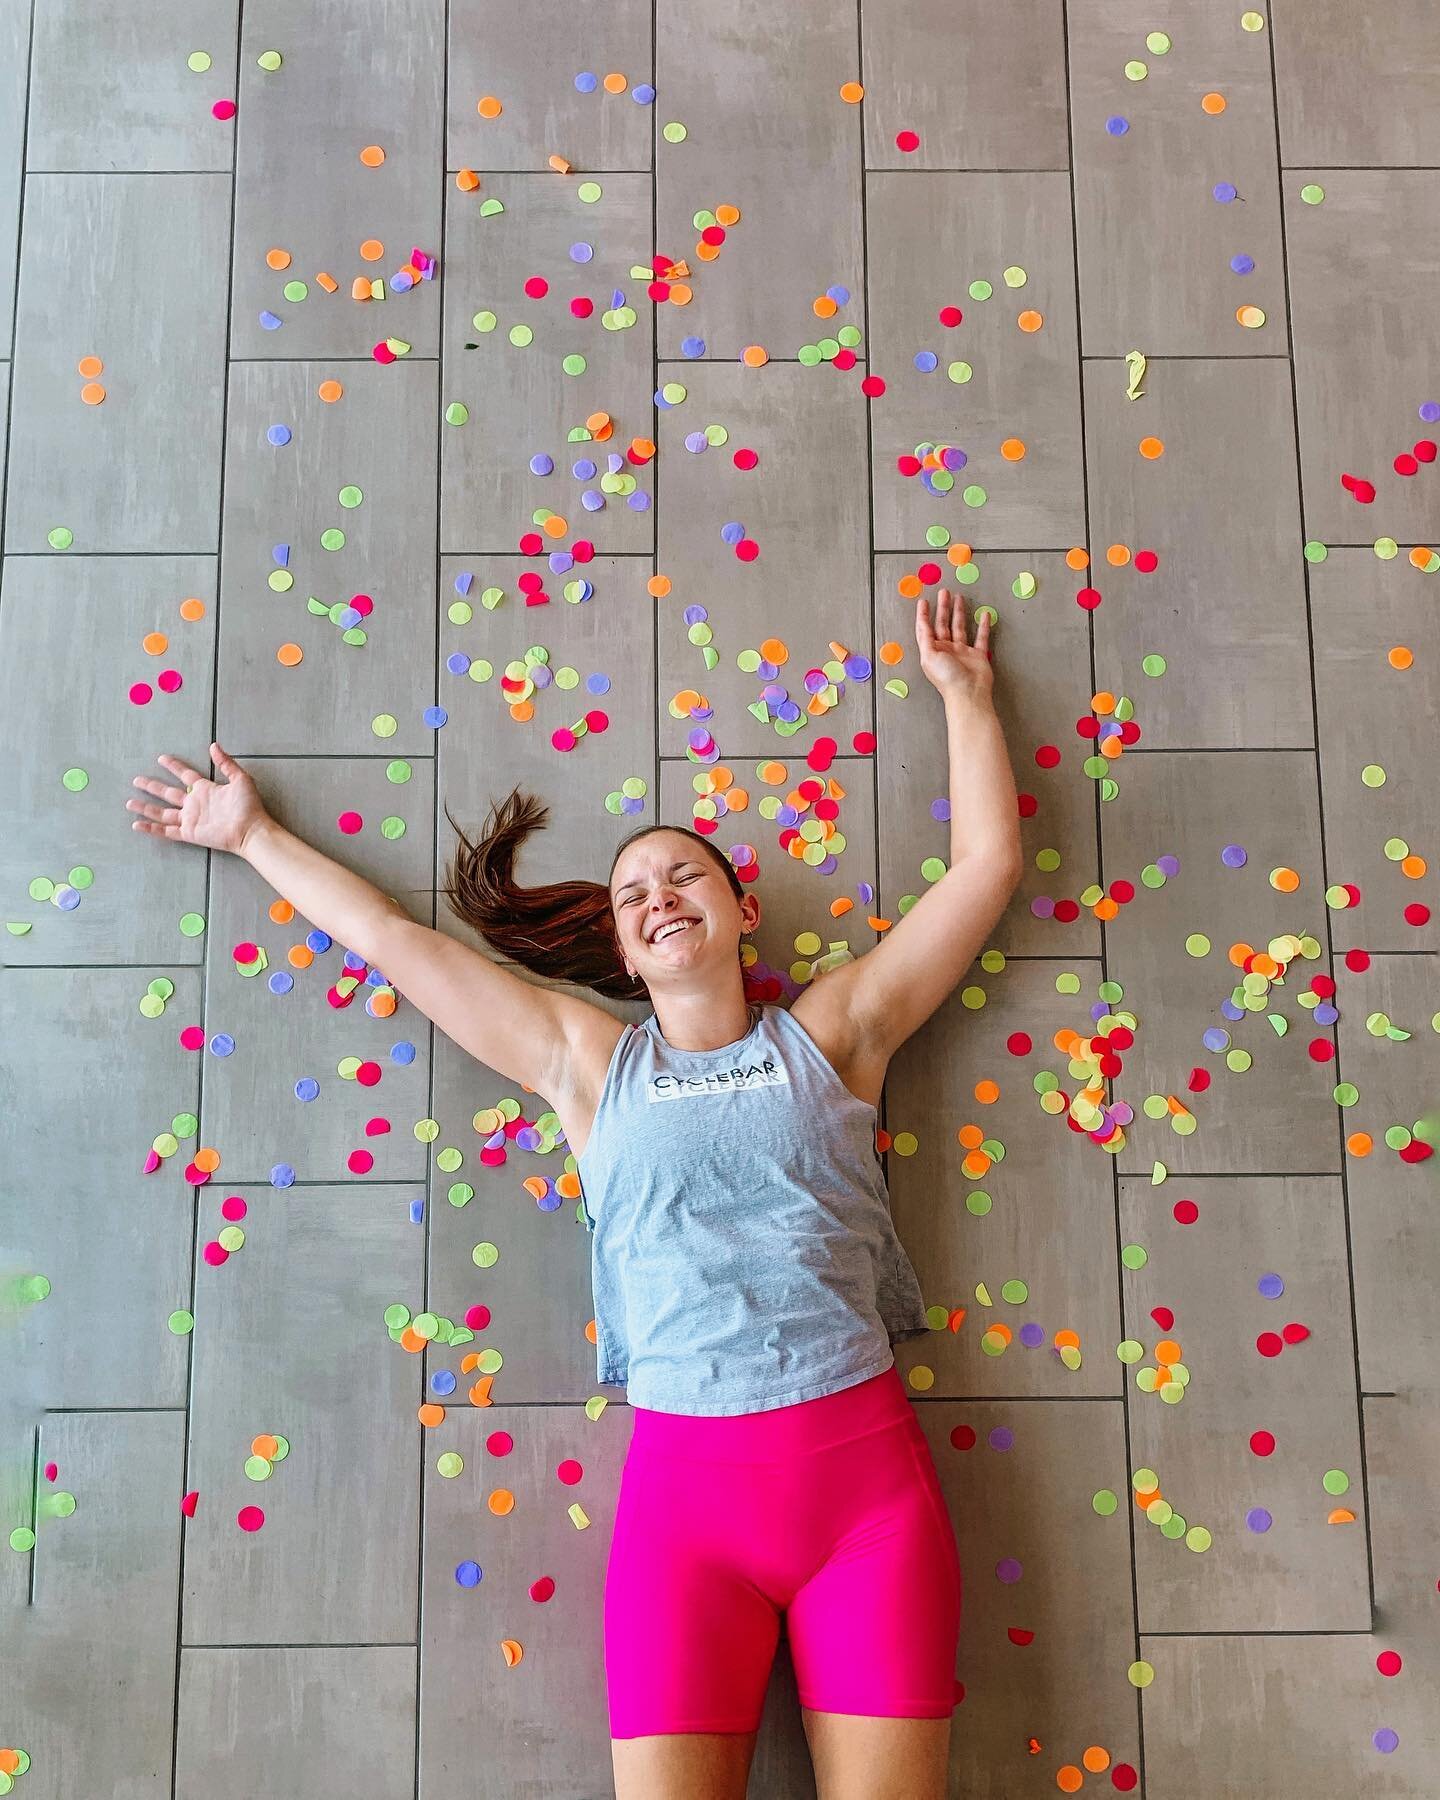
(564, 929)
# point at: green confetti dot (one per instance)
(1335, 1481)
(198, 60)
(181, 1322)
(521, 335)
(1315, 551)
(282, 1447)
(589, 192)
(1153, 664)
(574, 364)
(41, 888)
(295, 290)
(191, 924)
(32, 1288)
(1067, 983)
(398, 771)
(1130, 1351)
(932, 868)
(484, 320)
(333, 539)
(81, 877)
(1346, 1093)
(1312, 193)
(974, 496)
(1015, 276)
(392, 827)
(1136, 71)
(1014, 1292)
(1140, 1674)
(1134, 1256)
(1252, 21)
(397, 1316)
(674, 132)
(1197, 944)
(978, 1203)
(1386, 549)
(76, 780)
(1197, 1538)
(980, 290)
(1047, 861)
(22, 1538)
(959, 372)
(1023, 586)
(450, 1464)
(1104, 1502)
(1157, 43)
(258, 1468)
(1373, 775)
(484, 1256)
(280, 581)
(269, 60)
(61, 538)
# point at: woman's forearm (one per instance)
(984, 807)
(348, 908)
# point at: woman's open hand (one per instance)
(947, 658)
(217, 815)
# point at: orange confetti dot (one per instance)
(559, 164)
(360, 288)
(1413, 866)
(1286, 880)
(851, 92)
(501, 1502)
(754, 356)
(1213, 104)
(207, 1159)
(300, 956)
(1077, 558)
(488, 107)
(1117, 555)
(1420, 556)
(265, 1445)
(658, 586)
(9, 1760)
(155, 643)
(909, 587)
(891, 653)
(1151, 447)
(330, 390)
(987, 1092)
(1249, 315)
(1067, 1340)
(970, 1137)
(824, 307)
(1069, 1779)
(328, 282)
(1359, 1143)
(1030, 321)
(1102, 703)
(289, 655)
(281, 912)
(89, 367)
(681, 294)
(92, 393)
(615, 84)
(727, 215)
(192, 609)
(431, 1414)
(278, 259)
(371, 250)
(1096, 1759)
(774, 650)
(707, 252)
(467, 181)
(555, 526)
(959, 554)
(372, 156)
(1013, 449)
(1401, 657)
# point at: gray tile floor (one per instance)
(1248, 199)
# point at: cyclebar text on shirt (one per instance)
(768, 1073)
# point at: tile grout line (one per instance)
(1320, 822)
(1098, 806)
(209, 883)
(656, 759)
(15, 297)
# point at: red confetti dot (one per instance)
(1425, 450)
(747, 549)
(1124, 1779)
(1388, 1662)
(908, 465)
(224, 109)
(1047, 756)
(1146, 561)
(1163, 1317)
(188, 1503)
(745, 459)
(1027, 805)
(359, 1162)
(597, 721)
(1357, 961)
(349, 823)
(907, 140)
(929, 573)
(499, 1443)
(1323, 985)
(950, 315)
(1415, 1152)
(1269, 1343)
(1089, 598)
(1019, 1043)
(543, 1588)
(250, 1518)
(1321, 1050)
(1364, 493)
(1417, 914)
(863, 743)
(531, 544)
(963, 1437)
(537, 287)
(1067, 911)
(1199, 1081)
(1186, 1212)
(713, 234)
(844, 359)
(582, 550)
(581, 307)
(873, 385)
(570, 1471)
(1262, 1443)
(1018, 1635)
(659, 290)
(1405, 464)
(477, 1317)
(1087, 728)
(1294, 1333)
(1123, 891)
(368, 1074)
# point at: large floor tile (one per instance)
(1360, 276)
(1394, 1231)
(291, 1341)
(117, 90)
(284, 587)
(1042, 1216)
(1382, 831)
(87, 1668)
(998, 386)
(1231, 1263)
(1236, 674)
(14, 64)
(354, 77)
(326, 1721)
(982, 87)
(550, 105)
(144, 687)
(129, 269)
(785, 153)
(1177, 219)
(1171, 950)
(1042, 663)
(281, 1026)
(75, 1207)
(523, 373)
(808, 583)
(1346, 98)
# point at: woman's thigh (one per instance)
(694, 1765)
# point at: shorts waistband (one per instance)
(782, 1432)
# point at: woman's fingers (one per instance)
(186, 774)
(171, 796)
(982, 633)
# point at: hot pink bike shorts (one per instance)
(830, 1512)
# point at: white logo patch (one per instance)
(766, 1073)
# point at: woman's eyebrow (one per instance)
(683, 863)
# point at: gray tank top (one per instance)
(743, 1253)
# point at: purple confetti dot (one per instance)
(280, 981)
(1242, 264)
(1167, 864)
(401, 283)
(692, 346)
(1008, 1570)
(926, 360)
(585, 83)
(281, 554)
(940, 811)
(1032, 1336)
(561, 562)
(865, 894)
(584, 470)
(270, 322)
(840, 295)
(1215, 1039)
(696, 443)
(1229, 1010)
(732, 532)
(1042, 907)
(592, 501)
(858, 668)
(1234, 856)
(458, 663)
(1325, 1014)
(1001, 1438)
(1430, 411)
(1258, 1519)
(639, 501)
(468, 1574)
(278, 434)
(597, 684)
(282, 1175)
(541, 464)
(581, 252)
(1385, 1740)
(953, 458)
(695, 615)
(434, 717)
(643, 94)
(463, 581)
(1224, 192)
(403, 1052)
(443, 1380)
(1271, 1286)
(307, 1088)
(1116, 126)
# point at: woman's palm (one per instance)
(216, 814)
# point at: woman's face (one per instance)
(675, 912)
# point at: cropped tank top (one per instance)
(743, 1252)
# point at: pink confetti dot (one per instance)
(477, 1317)
(907, 140)
(250, 1518)
(141, 694)
(169, 681)
(246, 953)
(349, 823)
(383, 353)
(233, 1207)
(1388, 1662)
(570, 1472)
(745, 459)
(188, 1503)
(377, 1127)
(368, 1074)
(52, 1471)
(563, 738)
(215, 1254)
(193, 1037)
(537, 287)
(1262, 1443)
(224, 109)
(359, 1162)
